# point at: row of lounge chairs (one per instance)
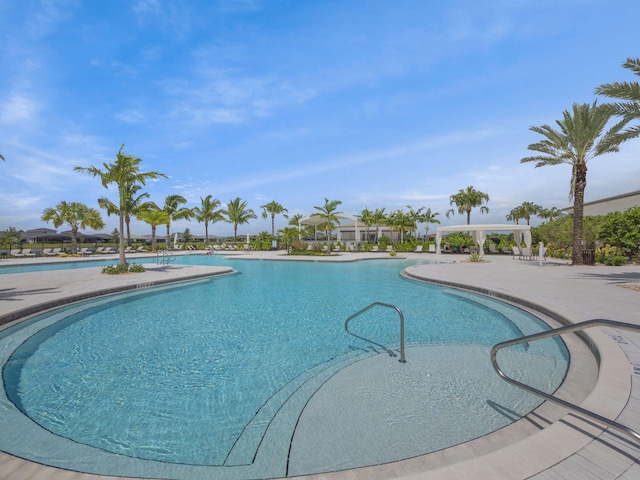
(52, 252)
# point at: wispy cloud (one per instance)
(18, 108)
(46, 15)
(131, 116)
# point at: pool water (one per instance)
(196, 374)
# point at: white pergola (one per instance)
(316, 220)
(479, 233)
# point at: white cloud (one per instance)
(131, 116)
(19, 108)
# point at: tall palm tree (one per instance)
(272, 209)
(629, 92)
(154, 217)
(579, 139)
(328, 215)
(175, 211)
(379, 218)
(428, 217)
(415, 215)
(133, 204)
(207, 213)
(124, 172)
(237, 213)
(75, 214)
(366, 217)
(468, 199)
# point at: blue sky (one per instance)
(374, 103)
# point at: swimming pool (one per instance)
(212, 378)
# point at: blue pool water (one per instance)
(179, 374)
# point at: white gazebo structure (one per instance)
(479, 233)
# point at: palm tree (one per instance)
(379, 218)
(10, 236)
(124, 172)
(400, 221)
(514, 215)
(428, 217)
(627, 91)
(207, 213)
(551, 213)
(306, 230)
(133, 205)
(238, 214)
(529, 208)
(579, 139)
(175, 212)
(366, 216)
(289, 236)
(273, 208)
(75, 214)
(328, 215)
(468, 199)
(154, 217)
(415, 215)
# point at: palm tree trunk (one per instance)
(273, 225)
(206, 231)
(168, 233)
(122, 260)
(153, 238)
(578, 209)
(127, 220)
(74, 239)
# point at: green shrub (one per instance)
(118, 269)
(610, 255)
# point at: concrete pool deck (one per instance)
(567, 449)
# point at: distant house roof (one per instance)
(617, 203)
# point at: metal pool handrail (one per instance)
(387, 305)
(167, 257)
(600, 322)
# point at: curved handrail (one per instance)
(389, 351)
(167, 257)
(552, 333)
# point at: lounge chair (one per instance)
(16, 252)
(100, 249)
(526, 254)
(516, 252)
(506, 250)
(85, 251)
(432, 248)
(389, 248)
(28, 252)
(141, 249)
(418, 249)
(375, 248)
(53, 252)
(472, 250)
(493, 248)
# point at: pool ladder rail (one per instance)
(553, 333)
(388, 350)
(164, 257)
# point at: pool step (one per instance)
(268, 435)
